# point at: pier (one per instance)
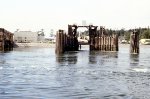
(98, 39)
(6, 40)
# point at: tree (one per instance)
(127, 35)
(145, 34)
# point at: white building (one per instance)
(27, 37)
(41, 36)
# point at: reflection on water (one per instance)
(134, 60)
(104, 56)
(70, 57)
(33, 73)
(92, 57)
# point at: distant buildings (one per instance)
(51, 38)
(28, 36)
(41, 36)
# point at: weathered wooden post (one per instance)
(97, 40)
(73, 44)
(94, 34)
(96, 43)
(100, 42)
(111, 43)
(3, 40)
(67, 43)
(134, 42)
(76, 44)
(92, 37)
(116, 42)
(107, 43)
(70, 31)
(59, 42)
(10, 39)
(103, 42)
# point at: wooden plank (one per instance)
(100, 43)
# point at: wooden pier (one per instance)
(98, 40)
(6, 40)
(102, 41)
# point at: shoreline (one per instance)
(39, 45)
(52, 45)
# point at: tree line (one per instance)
(144, 33)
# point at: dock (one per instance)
(98, 39)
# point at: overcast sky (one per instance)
(57, 14)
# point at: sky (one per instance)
(35, 15)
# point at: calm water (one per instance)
(37, 73)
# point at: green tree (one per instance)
(145, 34)
(127, 35)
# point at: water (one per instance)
(37, 73)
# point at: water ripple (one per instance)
(33, 73)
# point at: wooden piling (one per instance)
(134, 42)
(116, 43)
(91, 43)
(100, 43)
(76, 44)
(96, 43)
(59, 42)
(103, 43)
(111, 43)
(107, 43)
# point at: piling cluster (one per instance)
(65, 42)
(6, 40)
(134, 42)
(102, 41)
(106, 43)
(98, 40)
